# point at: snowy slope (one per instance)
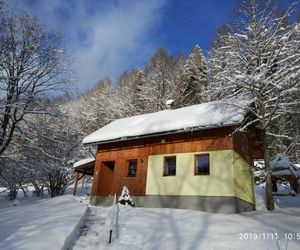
(38, 224)
(45, 224)
(205, 115)
(168, 229)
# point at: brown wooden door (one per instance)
(106, 177)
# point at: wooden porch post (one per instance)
(76, 182)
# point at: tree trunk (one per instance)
(24, 191)
(269, 194)
(13, 192)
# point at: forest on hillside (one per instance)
(258, 52)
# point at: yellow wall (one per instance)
(243, 181)
(220, 182)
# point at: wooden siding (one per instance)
(248, 145)
(140, 149)
(168, 138)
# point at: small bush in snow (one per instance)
(125, 198)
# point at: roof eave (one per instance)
(162, 133)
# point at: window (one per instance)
(170, 166)
(132, 165)
(202, 164)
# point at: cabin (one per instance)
(189, 158)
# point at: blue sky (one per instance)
(107, 37)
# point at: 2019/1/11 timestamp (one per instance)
(269, 236)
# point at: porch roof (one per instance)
(85, 166)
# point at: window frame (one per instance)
(136, 167)
(195, 164)
(164, 165)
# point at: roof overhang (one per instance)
(187, 130)
(85, 168)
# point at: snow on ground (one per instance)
(94, 230)
(38, 224)
(260, 200)
(47, 223)
(162, 228)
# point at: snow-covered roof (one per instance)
(83, 162)
(281, 165)
(196, 117)
(281, 162)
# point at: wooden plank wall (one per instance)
(121, 152)
(248, 144)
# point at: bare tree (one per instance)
(158, 74)
(131, 99)
(262, 58)
(12, 177)
(50, 152)
(32, 62)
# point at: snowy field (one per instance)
(145, 228)
(47, 223)
(38, 224)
